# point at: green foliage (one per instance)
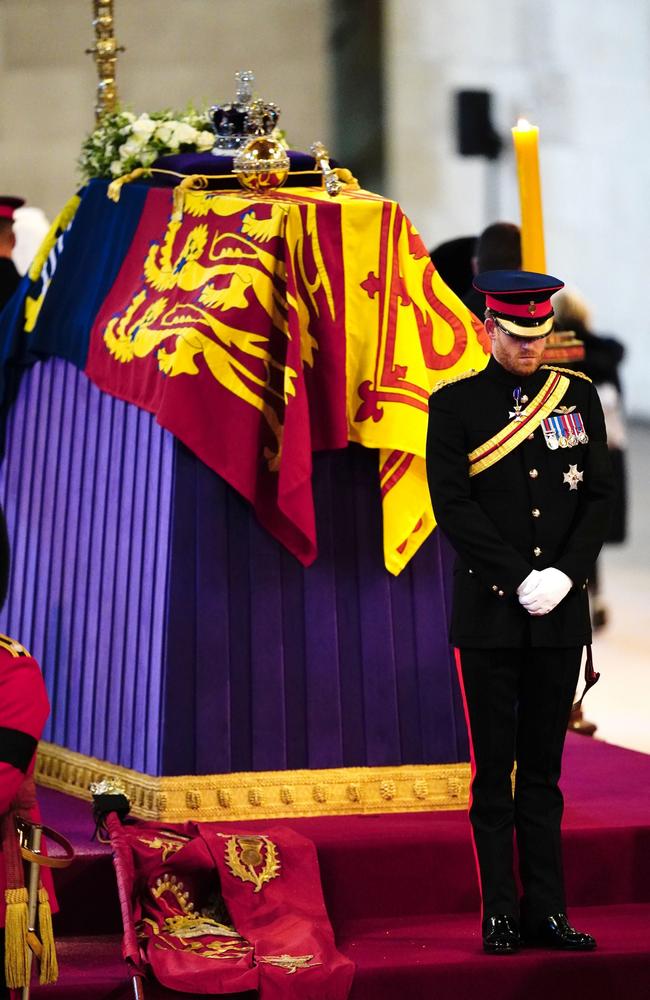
(123, 141)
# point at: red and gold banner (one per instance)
(406, 330)
(221, 911)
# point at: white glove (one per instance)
(551, 586)
(526, 586)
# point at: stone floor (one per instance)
(620, 702)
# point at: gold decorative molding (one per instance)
(262, 794)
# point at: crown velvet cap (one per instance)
(8, 206)
(520, 300)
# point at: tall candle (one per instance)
(525, 137)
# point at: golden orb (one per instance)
(262, 164)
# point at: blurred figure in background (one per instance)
(603, 356)
(498, 248)
(30, 228)
(453, 261)
(9, 276)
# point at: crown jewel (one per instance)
(244, 118)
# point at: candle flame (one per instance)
(523, 124)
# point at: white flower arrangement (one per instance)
(123, 141)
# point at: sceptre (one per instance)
(105, 52)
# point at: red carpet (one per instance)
(401, 894)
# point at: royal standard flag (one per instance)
(258, 329)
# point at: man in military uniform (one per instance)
(9, 276)
(520, 483)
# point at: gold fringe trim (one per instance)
(335, 791)
(17, 958)
(49, 972)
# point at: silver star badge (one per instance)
(573, 477)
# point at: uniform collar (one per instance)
(499, 374)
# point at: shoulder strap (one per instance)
(456, 378)
(12, 646)
(566, 371)
(24, 827)
(516, 431)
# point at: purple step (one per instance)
(442, 957)
(421, 958)
(368, 863)
(91, 968)
(402, 897)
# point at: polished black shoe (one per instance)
(555, 931)
(500, 935)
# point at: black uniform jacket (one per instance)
(519, 514)
(9, 280)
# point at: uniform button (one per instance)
(536, 512)
(471, 572)
(531, 436)
(524, 399)
(494, 587)
(584, 586)
(533, 473)
(537, 551)
(500, 593)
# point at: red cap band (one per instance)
(528, 310)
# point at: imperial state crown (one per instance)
(238, 121)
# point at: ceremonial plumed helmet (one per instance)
(520, 300)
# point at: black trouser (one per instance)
(518, 702)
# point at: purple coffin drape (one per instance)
(176, 636)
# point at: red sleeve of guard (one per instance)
(24, 706)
